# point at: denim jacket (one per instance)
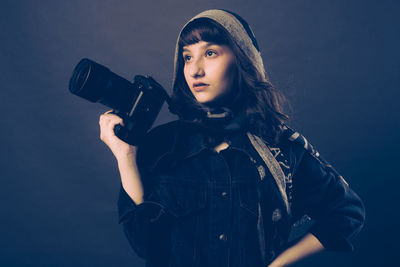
(204, 208)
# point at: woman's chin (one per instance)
(205, 100)
(212, 101)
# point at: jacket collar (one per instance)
(193, 139)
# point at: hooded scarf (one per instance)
(240, 32)
(222, 118)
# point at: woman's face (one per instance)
(208, 70)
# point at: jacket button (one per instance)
(223, 193)
(276, 215)
(223, 237)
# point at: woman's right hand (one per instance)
(118, 147)
(125, 155)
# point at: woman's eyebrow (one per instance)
(203, 46)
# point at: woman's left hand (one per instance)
(307, 246)
(276, 264)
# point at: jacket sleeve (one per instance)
(146, 225)
(322, 193)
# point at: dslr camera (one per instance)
(137, 103)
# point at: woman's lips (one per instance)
(200, 87)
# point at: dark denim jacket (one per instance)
(204, 208)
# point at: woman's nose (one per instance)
(197, 69)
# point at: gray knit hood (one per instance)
(240, 32)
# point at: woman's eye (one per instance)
(186, 58)
(210, 53)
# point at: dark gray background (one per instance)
(337, 62)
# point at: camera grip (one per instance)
(130, 137)
(119, 130)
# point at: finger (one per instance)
(107, 117)
(116, 121)
(109, 111)
(110, 121)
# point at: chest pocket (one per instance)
(178, 193)
(181, 197)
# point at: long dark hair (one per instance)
(254, 95)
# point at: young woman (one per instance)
(228, 182)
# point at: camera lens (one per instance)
(80, 76)
(96, 83)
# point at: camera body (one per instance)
(137, 103)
